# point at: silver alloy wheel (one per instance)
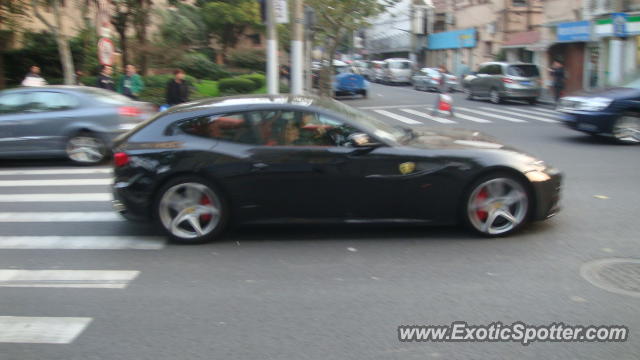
(190, 210)
(468, 92)
(627, 129)
(86, 149)
(494, 96)
(497, 206)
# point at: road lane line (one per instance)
(538, 118)
(85, 279)
(388, 107)
(401, 118)
(19, 217)
(82, 242)
(470, 118)
(41, 330)
(554, 112)
(75, 197)
(458, 108)
(57, 182)
(427, 116)
(534, 112)
(56, 171)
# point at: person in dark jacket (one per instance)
(105, 81)
(177, 89)
(558, 76)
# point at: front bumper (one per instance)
(596, 122)
(547, 192)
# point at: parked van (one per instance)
(397, 71)
(501, 81)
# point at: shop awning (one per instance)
(521, 39)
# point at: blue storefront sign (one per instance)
(452, 39)
(619, 21)
(577, 31)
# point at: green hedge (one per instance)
(259, 80)
(236, 86)
(249, 59)
(208, 88)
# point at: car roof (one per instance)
(251, 100)
(505, 63)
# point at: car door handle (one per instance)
(259, 166)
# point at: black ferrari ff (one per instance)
(298, 159)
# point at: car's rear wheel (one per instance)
(626, 129)
(497, 204)
(85, 148)
(191, 210)
(494, 96)
(469, 93)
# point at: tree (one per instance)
(120, 20)
(141, 17)
(66, 59)
(227, 20)
(337, 18)
(10, 13)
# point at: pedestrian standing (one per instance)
(33, 78)
(177, 89)
(285, 74)
(558, 76)
(105, 80)
(443, 88)
(130, 84)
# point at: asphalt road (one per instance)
(312, 292)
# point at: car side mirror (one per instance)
(362, 140)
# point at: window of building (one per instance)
(519, 2)
(488, 48)
(255, 39)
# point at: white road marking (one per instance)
(56, 182)
(388, 107)
(56, 171)
(105, 216)
(471, 118)
(457, 110)
(75, 197)
(93, 279)
(533, 112)
(533, 117)
(405, 120)
(427, 116)
(554, 112)
(41, 330)
(82, 242)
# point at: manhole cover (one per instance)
(618, 275)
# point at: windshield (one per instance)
(400, 65)
(523, 70)
(366, 122)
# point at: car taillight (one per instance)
(453, 78)
(120, 159)
(507, 81)
(130, 111)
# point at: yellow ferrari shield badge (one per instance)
(407, 167)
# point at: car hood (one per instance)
(454, 139)
(615, 93)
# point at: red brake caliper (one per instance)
(205, 201)
(480, 198)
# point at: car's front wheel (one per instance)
(626, 129)
(496, 204)
(494, 96)
(86, 148)
(191, 210)
(469, 93)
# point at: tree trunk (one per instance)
(143, 59)
(3, 45)
(326, 88)
(63, 47)
(123, 46)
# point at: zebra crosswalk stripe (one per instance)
(62, 171)
(427, 116)
(471, 118)
(537, 117)
(457, 110)
(86, 279)
(533, 111)
(41, 330)
(401, 118)
(51, 242)
(26, 217)
(56, 182)
(72, 197)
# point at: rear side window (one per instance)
(523, 70)
(402, 65)
(227, 127)
(484, 69)
(495, 69)
(50, 101)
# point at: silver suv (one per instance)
(501, 81)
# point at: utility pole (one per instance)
(297, 43)
(272, 50)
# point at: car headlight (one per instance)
(594, 104)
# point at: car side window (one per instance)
(227, 127)
(12, 103)
(483, 69)
(39, 101)
(495, 70)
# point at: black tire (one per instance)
(497, 99)
(218, 197)
(532, 101)
(629, 120)
(524, 209)
(86, 148)
(469, 93)
(364, 94)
